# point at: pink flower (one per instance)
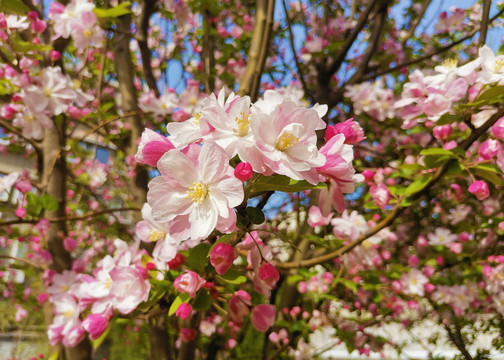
(351, 129)
(188, 334)
(128, 289)
(95, 325)
(498, 129)
(442, 132)
(413, 283)
(479, 189)
(263, 317)
(152, 147)
(21, 313)
(222, 257)
(189, 282)
(238, 309)
(243, 171)
(489, 149)
(196, 192)
(42, 298)
(315, 217)
(380, 194)
(287, 141)
(183, 311)
(269, 274)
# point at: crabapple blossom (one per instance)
(196, 191)
(480, 189)
(189, 282)
(263, 317)
(222, 257)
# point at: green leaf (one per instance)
(255, 215)
(21, 46)
(448, 119)
(418, 185)
(203, 300)
(49, 202)
(121, 9)
(34, 204)
(282, 183)
(233, 277)
(97, 342)
(182, 298)
(14, 7)
(198, 257)
(490, 96)
(437, 152)
(488, 175)
(54, 355)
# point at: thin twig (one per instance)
(294, 53)
(106, 122)
(14, 130)
(26, 261)
(398, 209)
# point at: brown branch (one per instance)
(208, 50)
(69, 218)
(26, 261)
(291, 39)
(428, 56)
(458, 340)
(99, 88)
(14, 130)
(376, 36)
(398, 209)
(148, 8)
(258, 48)
(484, 22)
(415, 21)
(106, 122)
(8, 62)
(361, 22)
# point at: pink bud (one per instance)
(428, 270)
(413, 260)
(263, 317)
(380, 194)
(269, 274)
(429, 287)
(368, 174)
(222, 257)
(24, 186)
(20, 212)
(489, 149)
(8, 112)
(3, 21)
(479, 189)
(350, 129)
(177, 262)
(188, 334)
(39, 26)
(487, 270)
(456, 248)
(69, 244)
(95, 325)
(498, 129)
(54, 55)
(243, 171)
(189, 282)
(183, 311)
(450, 145)
(442, 132)
(42, 298)
(150, 266)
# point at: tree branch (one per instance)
(398, 209)
(14, 130)
(208, 51)
(428, 56)
(26, 261)
(148, 8)
(106, 122)
(325, 76)
(258, 48)
(294, 53)
(484, 22)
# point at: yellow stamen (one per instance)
(286, 141)
(192, 101)
(68, 313)
(88, 33)
(155, 235)
(243, 123)
(450, 63)
(47, 91)
(107, 283)
(197, 118)
(65, 288)
(499, 63)
(198, 192)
